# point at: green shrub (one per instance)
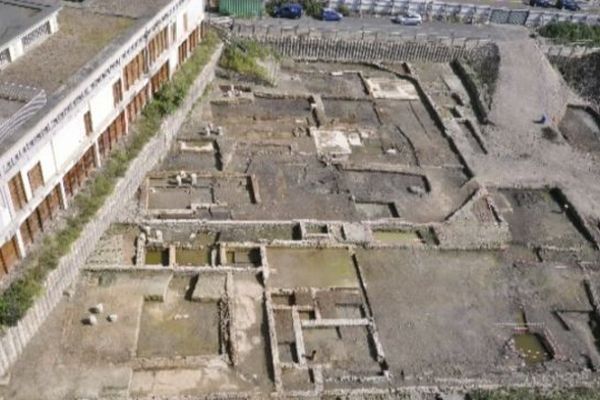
(271, 6)
(17, 299)
(314, 8)
(19, 296)
(344, 10)
(242, 57)
(533, 394)
(568, 32)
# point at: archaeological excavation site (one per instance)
(328, 224)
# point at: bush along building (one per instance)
(72, 81)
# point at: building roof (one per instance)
(126, 8)
(16, 16)
(81, 35)
(88, 34)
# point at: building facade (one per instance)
(45, 165)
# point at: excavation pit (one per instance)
(193, 257)
(190, 191)
(541, 216)
(242, 257)
(179, 198)
(292, 268)
(398, 237)
(361, 113)
(263, 109)
(345, 350)
(181, 329)
(386, 186)
(531, 348)
(581, 127)
(296, 379)
(335, 83)
(376, 210)
(194, 154)
(155, 256)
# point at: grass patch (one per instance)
(535, 394)
(20, 295)
(569, 32)
(243, 56)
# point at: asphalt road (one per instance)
(373, 25)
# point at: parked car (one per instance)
(541, 3)
(290, 10)
(410, 18)
(329, 14)
(570, 5)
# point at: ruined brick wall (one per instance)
(14, 339)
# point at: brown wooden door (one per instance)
(44, 214)
(26, 234)
(36, 177)
(17, 192)
(9, 254)
(53, 200)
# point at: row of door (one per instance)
(40, 218)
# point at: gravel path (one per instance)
(528, 87)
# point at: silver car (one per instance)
(410, 18)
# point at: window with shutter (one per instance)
(36, 177)
(17, 192)
(9, 254)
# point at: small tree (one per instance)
(271, 6)
(314, 8)
(344, 10)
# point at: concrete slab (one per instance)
(395, 89)
(209, 287)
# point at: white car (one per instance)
(408, 19)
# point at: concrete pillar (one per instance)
(20, 244)
(26, 185)
(16, 50)
(63, 195)
(54, 23)
(97, 159)
(11, 54)
(9, 202)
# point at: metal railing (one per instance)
(34, 99)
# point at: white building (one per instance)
(72, 79)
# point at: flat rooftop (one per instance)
(87, 34)
(81, 35)
(131, 8)
(17, 16)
